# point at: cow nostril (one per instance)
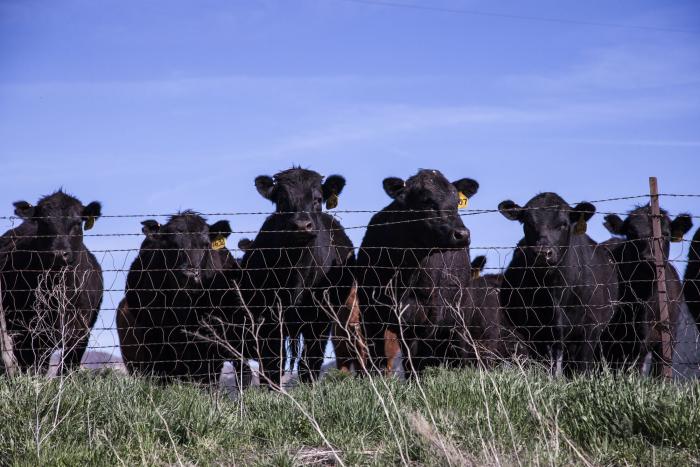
(549, 253)
(460, 234)
(305, 226)
(62, 254)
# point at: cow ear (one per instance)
(265, 186)
(614, 224)
(510, 210)
(393, 186)
(90, 213)
(467, 186)
(245, 244)
(584, 209)
(93, 209)
(331, 189)
(150, 228)
(477, 265)
(333, 186)
(24, 209)
(579, 216)
(680, 226)
(219, 229)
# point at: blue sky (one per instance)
(154, 106)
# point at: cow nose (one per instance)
(63, 255)
(548, 254)
(461, 235)
(304, 226)
(194, 274)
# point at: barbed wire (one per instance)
(430, 305)
(353, 211)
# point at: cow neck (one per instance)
(153, 275)
(444, 270)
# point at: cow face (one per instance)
(638, 231)
(298, 195)
(548, 223)
(431, 203)
(185, 243)
(60, 220)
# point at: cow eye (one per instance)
(430, 204)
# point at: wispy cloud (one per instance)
(625, 67)
(629, 142)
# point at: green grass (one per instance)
(505, 416)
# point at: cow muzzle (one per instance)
(193, 274)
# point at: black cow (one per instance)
(296, 272)
(558, 290)
(485, 280)
(691, 286)
(180, 311)
(485, 290)
(414, 276)
(51, 283)
(633, 337)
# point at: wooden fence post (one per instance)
(6, 348)
(657, 244)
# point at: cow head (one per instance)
(60, 220)
(185, 243)
(431, 202)
(298, 195)
(637, 230)
(548, 223)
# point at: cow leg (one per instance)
(208, 373)
(349, 343)
(271, 364)
(267, 349)
(244, 375)
(589, 348)
(392, 350)
(315, 338)
(37, 356)
(72, 355)
(417, 353)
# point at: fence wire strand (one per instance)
(286, 302)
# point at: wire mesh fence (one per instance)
(299, 297)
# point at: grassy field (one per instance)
(508, 416)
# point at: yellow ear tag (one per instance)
(581, 225)
(676, 237)
(332, 201)
(218, 243)
(476, 273)
(463, 201)
(89, 223)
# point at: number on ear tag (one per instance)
(332, 201)
(89, 223)
(218, 243)
(463, 201)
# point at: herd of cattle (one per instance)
(411, 290)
